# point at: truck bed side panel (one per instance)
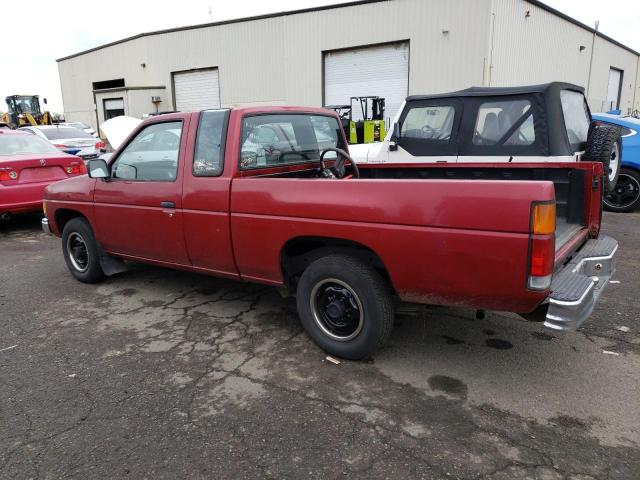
(440, 244)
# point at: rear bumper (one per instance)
(577, 287)
(23, 197)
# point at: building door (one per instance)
(196, 90)
(113, 107)
(381, 70)
(614, 89)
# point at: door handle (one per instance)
(168, 204)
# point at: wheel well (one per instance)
(298, 253)
(63, 215)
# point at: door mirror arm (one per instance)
(395, 136)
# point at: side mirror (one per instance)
(44, 100)
(98, 168)
(393, 141)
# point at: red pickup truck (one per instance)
(270, 195)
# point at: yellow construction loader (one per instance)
(25, 110)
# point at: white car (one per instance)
(69, 139)
(81, 126)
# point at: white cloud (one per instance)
(42, 31)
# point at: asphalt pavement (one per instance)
(163, 374)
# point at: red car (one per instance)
(27, 165)
(270, 195)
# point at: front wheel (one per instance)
(80, 251)
(345, 306)
(626, 194)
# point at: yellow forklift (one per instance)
(371, 127)
(24, 110)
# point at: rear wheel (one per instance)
(345, 306)
(604, 145)
(625, 197)
(80, 251)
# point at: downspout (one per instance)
(634, 109)
(593, 46)
(488, 65)
(95, 110)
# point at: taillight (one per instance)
(59, 145)
(101, 145)
(76, 169)
(541, 245)
(543, 218)
(7, 175)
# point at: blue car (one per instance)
(626, 195)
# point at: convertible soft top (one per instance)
(544, 88)
(546, 106)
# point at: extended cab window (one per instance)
(152, 155)
(431, 122)
(275, 140)
(576, 116)
(208, 158)
(507, 122)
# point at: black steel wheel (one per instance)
(345, 306)
(336, 309)
(80, 251)
(625, 197)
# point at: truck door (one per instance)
(206, 194)
(138, 211)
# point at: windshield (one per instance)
(26, 105)
(19, 144)
(64, 132)
(79, 125)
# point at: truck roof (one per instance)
(501, 91)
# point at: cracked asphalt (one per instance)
(163, 374)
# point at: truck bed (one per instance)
(569, 186)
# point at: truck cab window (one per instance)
(208, 159)
(274, 140)
(152, 155)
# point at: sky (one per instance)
(37, 32)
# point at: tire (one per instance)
(345, 306)
(80, 251)
(604, 145)
(626, 196)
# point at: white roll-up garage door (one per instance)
(196, 90)
(381, 71)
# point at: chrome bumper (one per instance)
(576, 288)
(45, 225)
